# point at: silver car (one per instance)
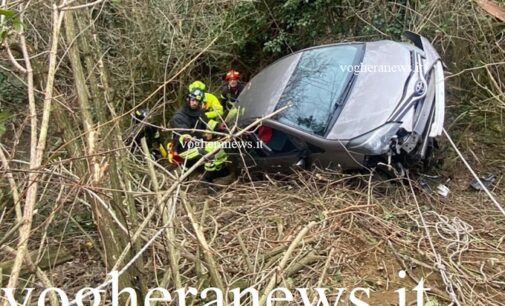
(348, 105)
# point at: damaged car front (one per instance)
(409, 133)
(351, 105)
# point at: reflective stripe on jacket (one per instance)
(212, 107)
(219, 158)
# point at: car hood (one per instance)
(377, 89)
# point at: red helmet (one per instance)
(232, 75)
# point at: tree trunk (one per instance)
(114, 240)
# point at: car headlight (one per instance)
(375, 142)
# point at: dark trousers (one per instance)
(209, 176)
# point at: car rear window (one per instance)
(316, 85)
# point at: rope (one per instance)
(446, 277)
(490, 195)
(455, 231)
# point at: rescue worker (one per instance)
(231, 90)
(211, 105)
(188, 117)
(187, 146)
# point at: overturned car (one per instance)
(347, 105)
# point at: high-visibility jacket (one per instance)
(215, 163)
(219, 158)
(211, 105)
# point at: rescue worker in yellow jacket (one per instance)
(187, 145)
(211, 105)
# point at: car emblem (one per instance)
(420, 88)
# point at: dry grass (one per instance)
(365, 230)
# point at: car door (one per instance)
(281, 151)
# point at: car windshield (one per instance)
(316, 86)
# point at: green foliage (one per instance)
(392, 27)
(12, 91)
(277, 43)
(273, 28)
(11, 22)
(382, 21)
(432, 302)
(4, 116)
(388, 216)
(12, 96)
